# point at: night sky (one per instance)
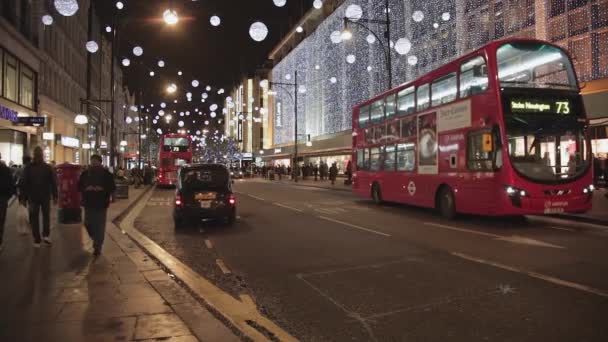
(214, 55)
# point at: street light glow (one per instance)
(170, 17)
(171, 88)
(346, 35)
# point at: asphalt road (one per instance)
(327, 266)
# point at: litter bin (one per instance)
(69, 211)
(122, 189)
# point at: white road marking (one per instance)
(288, 207)
(353, 226)
(208, 243)
(256, 197)
(555, 220)
(561, 228)
(536, 275)
(522, 240)
(326, 211)
(222, 266)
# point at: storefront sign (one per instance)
(278, 116)
(277, 150)
(34, 121)
(103, 144)
(70, 142)
(8, 114)
(48, 136)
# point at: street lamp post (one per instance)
(295, 169)
(387, 35)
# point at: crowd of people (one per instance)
(322, 171)
(34, 184)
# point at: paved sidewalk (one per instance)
(61, 293)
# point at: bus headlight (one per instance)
(588, 189)
(513, 191)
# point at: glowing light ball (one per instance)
(126, 62)
(229, 99)
(108, 29)
(128, 120)
(120, 5)
(133, 108)
(138, 51)
(350, 59)
(317, 4)
(412, 60)
(333, 80)
(435, 25)
(288, 77)
(354, 12)
(213, 114)
(188, 94)
(299, 29)
(302, 89)
(180, 123)
(206, 122)
(159, 131)
(213, 107)
(208, 88)
(161, 63)
(205, 95)
(47, 20)
(92, 46)
(418, 16)
(155, 121)
(66, 8)
(317, 67)
(195, 83)
(258, 31)
(403, 46)
(161, 112)
(279, 3)
(445, 16)
(369, 68)
(336, 37)
(151, 73)
(371, 39)
(215, 21)
(163, 105)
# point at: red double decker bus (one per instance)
(499, 131)
(175, 150)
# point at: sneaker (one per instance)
(36, 244)
(47, 240)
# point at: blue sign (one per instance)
(8, 114)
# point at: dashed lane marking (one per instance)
(326, 211)
(536, 275)
(222, 266)
(288, 207)
(256, 197)
(208, 243)
(561, 228)
(354, 226)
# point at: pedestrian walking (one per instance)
(7, 190)
(333, 173)
(97, 187)
(23, 222)
(349, 172)
(39, 187)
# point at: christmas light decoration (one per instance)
(317, 4)
(92, 46)
(279, 3)
(258, 31)
(215, 21)
(66, 8)
(47, 20)
(138, 51)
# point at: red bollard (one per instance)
(69, 211)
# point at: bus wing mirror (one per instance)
(480, 70)
(487, 142)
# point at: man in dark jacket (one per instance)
(97, 186)
(7, 190)
(39, 186)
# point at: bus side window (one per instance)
(473, 77)
(406, 157)
(444, 89)
(422, 96)
(389, 158)
(377, 111)
(363, 116)
(478, 156)
(361, 159)
(375, 158)
(390, 105)
(406, 102)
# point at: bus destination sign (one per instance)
(561, 106)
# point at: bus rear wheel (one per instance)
(376, 194)
(446, 203)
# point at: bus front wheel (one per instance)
(376, 194)
(446, 203)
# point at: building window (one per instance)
(26, 84)
(10, 77)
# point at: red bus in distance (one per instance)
(175, 150)
(498, 131)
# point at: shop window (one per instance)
(363, 116)
(406, 157)
(391, 102)
(473, 77)
(422, 97)
(375, 158)
(477, 158)
(27, 87)
(406, 103)
(389, 158)
(377, 111)
(444, 89)
(10, 77)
